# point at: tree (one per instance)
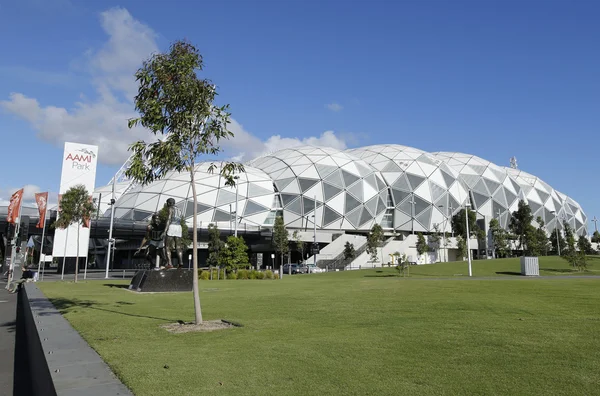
(536, 240)
(561, 242)
(178, 107)
(422, 247)
(520, 223)
(215, 244)
(298, 244)
(374, 240)
(458, 223)
(461, 246)
(234, 254)
(435, 237)
(403, 263)
(596, 237)
(569, 237)
(584, 245)
(500, 239)
(280, 238)
(76, 207)
(576, 259)
(349, 252)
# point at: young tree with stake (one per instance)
(75, 207)
(178, 106)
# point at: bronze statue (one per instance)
(154, 241)
(172, 233)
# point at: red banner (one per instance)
(42, 201)
(14, 207)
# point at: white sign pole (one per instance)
(42, 244)
(78, 168)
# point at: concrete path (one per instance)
(8, 318)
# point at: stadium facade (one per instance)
(402, 188)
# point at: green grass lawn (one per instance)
(354, 332)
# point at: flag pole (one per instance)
(42, 245)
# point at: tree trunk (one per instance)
(197, 307)
(77, 257)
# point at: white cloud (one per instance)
(103, 120)
(335, 107)
(245, 146)
(29, 191)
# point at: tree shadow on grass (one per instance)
(381, 276)
(114, 285)
(508, 273)
(66, 305)
(11, 326)
(561, 270)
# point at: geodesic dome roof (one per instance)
(425, 191)
(216, 201)
(343, 191)
(543, 200)
(494, 192)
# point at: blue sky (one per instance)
(492, 78)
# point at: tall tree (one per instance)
(234, 253)
(374, 241)
(422, 246)
(76, 207)
(215, 245)
(584, 245)
(280, 238)
(596, 237)
(520, 223)
(500, 239)
(458, 223)
(435, 238)
(349, 251)
(298, 244)
(569, 237)
(561, 242)
(461, 246)
(178, 106)
(541, 238)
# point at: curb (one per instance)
(75, 368)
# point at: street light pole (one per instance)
(412, 205)
(236, 178)
(557, 238)
(110, 230)
(595, 221)
(467, 206)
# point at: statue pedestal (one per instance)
(163, 281)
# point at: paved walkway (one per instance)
(8, 317)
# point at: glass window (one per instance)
(390, 202)
(388, 219)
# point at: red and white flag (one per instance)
(14, 207)
(42, 201)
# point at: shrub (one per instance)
(232, 275)
(252, 274)
(268, 274)
(204, 275)
(276, 275)
(242, 274)
(214, 274)
(260, 275)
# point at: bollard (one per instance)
(123, 274)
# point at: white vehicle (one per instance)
(313, 269)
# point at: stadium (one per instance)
(332, 197)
